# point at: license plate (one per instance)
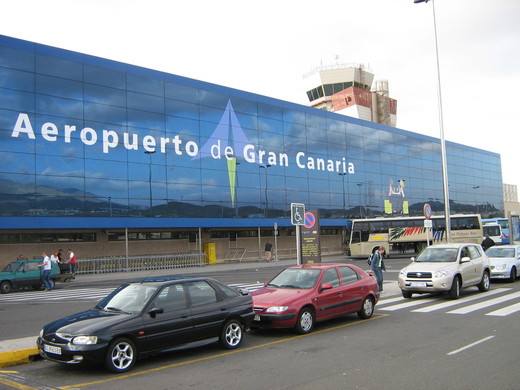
(51, 349)
(256, 318)
(417, 284)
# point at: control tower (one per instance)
(347, 89)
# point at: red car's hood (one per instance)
(268, 296)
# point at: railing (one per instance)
(140, 263)
(235, 254)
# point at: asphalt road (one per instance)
(427, 342)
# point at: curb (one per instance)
(19, 356)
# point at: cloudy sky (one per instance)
(266, 46)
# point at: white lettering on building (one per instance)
(110, 139)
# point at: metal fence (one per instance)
(108, 264)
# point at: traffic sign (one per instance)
(297, 213)
(309, 220)
(427, 210)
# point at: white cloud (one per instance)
(266, 46)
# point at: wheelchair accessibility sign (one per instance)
(297, 213)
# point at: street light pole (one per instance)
(441, 128)
(476, 200)
(360, 200)
(343, 179)
(265, 189)
(149, 153)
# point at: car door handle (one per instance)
(223, 308)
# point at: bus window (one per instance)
(439, 224)
(379, 227)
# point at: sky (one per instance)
(266, 47)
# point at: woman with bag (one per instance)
(378, 266)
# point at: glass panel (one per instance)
(104, 76)
(181, 92)
(145, 85)
(59, 67)
(15, 79)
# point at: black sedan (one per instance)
(148, 316)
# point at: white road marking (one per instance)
(482, 305)
(470, 345)
(459, 301)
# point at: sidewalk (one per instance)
(24, 350)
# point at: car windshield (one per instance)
(438, 255)
(128, 298)
(296, 278)
(500, 252)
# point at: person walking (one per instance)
(46, 273)
(268, 251)
(73, 261)
(378, 266)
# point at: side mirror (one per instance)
(243, 291)
(325, 286)
(154, 311)
(465, 260)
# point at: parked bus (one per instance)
(401, 234)
(504, 225)
(494, 230)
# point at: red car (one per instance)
(302, 295)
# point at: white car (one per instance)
(505, 261)
(446, 268)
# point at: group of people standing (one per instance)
(57, 258)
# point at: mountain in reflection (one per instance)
(19, 199)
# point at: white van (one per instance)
(494, 230)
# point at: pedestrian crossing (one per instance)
(249, 287)
(57, 295)
(479, 302)
(489, 303)
(81, 294)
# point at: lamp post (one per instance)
(265, 189)
(360, 201)
(443, 143)
(343, 178)
(149, 153)
(476, 201)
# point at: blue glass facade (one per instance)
(104, 144)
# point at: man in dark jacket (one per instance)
(487, 242)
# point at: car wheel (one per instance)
(121, 355)
(305, 322)
(454, 292)
(512, 276)
(367, 309)
(484, 283)
(231, 335)
(406, 294)
(5, 287)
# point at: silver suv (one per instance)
(446, 268)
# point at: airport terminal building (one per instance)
(103, 157)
